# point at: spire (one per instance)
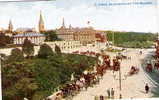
(41, 23)
(70, 27)
(10, 26)
(63, 23)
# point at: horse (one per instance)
(149, 68)
(116, 65)
(156, 66)
(133, 70)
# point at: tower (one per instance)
(10, 26)
(63, 23)
(41, 23)
(70, 27)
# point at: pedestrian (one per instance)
(101, 97)
(108, 92)
(146, 88)
(112, 93)
(120, 97)
(140, 52)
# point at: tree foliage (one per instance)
(45, 51)
(57, 49)
(28, 48)
(131, 39)
(37, 78)
(51, 36)
(4, 40)
(16, 55)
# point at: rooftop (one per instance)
(28, 34)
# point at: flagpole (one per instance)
(157, 19)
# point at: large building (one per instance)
(84, 35)
(35, 38)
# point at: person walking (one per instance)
(108, 93)
(120, 96)
(112, 93)
(101, 97)
(146, 88)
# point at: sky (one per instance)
(102, 16)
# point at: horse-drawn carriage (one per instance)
(116, 65)
(156, 65)
(149, 68)
(133, 70)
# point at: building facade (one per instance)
(35, 38)
(85, 35)
(65, 46)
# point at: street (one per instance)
(131, 86)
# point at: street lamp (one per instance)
(120, 80)
(112, 37)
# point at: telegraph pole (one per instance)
(113, 37)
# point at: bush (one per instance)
(16, 55)
(45, 51)
(28, 48)
(57, 49)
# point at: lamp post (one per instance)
(120, 80)
(112, 37)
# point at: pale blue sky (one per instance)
(140, 18)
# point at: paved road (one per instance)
(132, 87)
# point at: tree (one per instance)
(28, 48)
(131, 39)
(4, 40)
(57, 49)
(51, 36)
(16, 55)
(45, 51)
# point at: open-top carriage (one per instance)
(133, 70)
(149, 68)
(116, 65)
(156, 66)
(120, 57)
